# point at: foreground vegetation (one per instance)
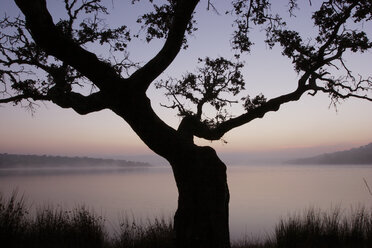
(57, 228)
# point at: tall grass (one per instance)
(316, 228)
(153, 234)
(13, 220)
(50, 227)
(53, 227)
(79, 228)
(58, 228)
(252, 242)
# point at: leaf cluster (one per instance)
(211, 84)
(333, 39)
(158, 22)
(249, 14)
(92, 27)
(251, 104)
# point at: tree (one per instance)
(46, 61)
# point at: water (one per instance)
(260, 195)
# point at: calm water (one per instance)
(260, 195)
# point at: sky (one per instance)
(304, 128)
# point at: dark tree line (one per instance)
(46, 60)
(15, 160)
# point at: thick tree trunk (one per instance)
(201, 220)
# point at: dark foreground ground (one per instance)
(80, 228)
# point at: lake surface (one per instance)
(260, 194)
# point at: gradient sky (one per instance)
(306, 127)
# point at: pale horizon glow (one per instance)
(306, 127)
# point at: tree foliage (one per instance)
(158, 22)
(211, 84)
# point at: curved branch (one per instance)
(203, 131)
(81, 104)
(47, 36)
(150, 71)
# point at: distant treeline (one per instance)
(15, 160)
(361, 155)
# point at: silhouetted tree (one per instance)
(33, 45)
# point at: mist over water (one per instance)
(260, 194)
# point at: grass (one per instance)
(80, 227)
(316, 228)
(51, 227)
(154, 234)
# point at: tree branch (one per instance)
(337, 89)
(81, 104)
(21, 97)
(144, 76)
(333, 35)
(47, 36)
(215, 133)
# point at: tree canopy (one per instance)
(49, 61)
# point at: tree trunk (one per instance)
(201, 220)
